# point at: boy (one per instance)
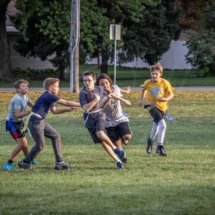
(40, 128)
(159, 92)
(14, 121)
(116, 122)
(93, 99)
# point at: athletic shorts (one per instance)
(98, 124)
(117, 132)
(15, 128)
(156, 114)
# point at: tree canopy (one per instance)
(147, 29)
(202, 42)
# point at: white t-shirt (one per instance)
(114, 113)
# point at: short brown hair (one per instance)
(90, 73)
(49, 82)
(157, 66)
(19, 82)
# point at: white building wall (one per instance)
(174, 58)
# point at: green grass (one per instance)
(135, 77)
(180, 184)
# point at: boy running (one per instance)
(93, 99)
(40, 128)
(159, 92)
(14, 121)
(116, 122)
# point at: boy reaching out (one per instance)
(93, 99)
(40, 128)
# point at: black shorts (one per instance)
(156, 114)
(117, 132)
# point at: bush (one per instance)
(34, 74)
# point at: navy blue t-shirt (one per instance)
(43, 103)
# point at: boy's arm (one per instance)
(125, 90)
(68, 103)
(167, 98)
(89, 106)
(54, 110)
(143, 96)
(113, 96)
(20, 114)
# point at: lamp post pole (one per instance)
(115, 34)
(74, 45)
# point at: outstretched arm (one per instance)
(125, 90)
(113, 96)
(68, 103)
(54, 110)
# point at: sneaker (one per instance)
(24, 165)
(8, 167)
(149, 146)
(62, 165)
(34, 162)
(120, 153)
(160, 150)
(124, 158)
(119, 165)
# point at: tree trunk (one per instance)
(61, 72)
(104, 65)
(5, 66)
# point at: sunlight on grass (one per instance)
(181, 183)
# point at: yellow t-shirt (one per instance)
(162, 88)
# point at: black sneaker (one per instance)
(119, 165)
(160, 150)
(24, 165)
(62, 165)
(149, 146)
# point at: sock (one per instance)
(10, 161)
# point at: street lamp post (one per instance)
(115, 34)
(74, 45)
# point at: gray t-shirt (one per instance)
(114, 113)
(87, 96)
(17, 102)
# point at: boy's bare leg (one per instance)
(22, 145)
(110, 151)
(104, 138)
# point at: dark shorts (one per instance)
(117, 132)
(156, 114)
(15, 129)
(97, 124)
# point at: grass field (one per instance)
(183, 183)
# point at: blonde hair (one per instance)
(158, 67)
(49, 82)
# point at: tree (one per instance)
(5, 67)
(151, 36)
(44, 27)
(201, 44)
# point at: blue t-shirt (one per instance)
(43, 103)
